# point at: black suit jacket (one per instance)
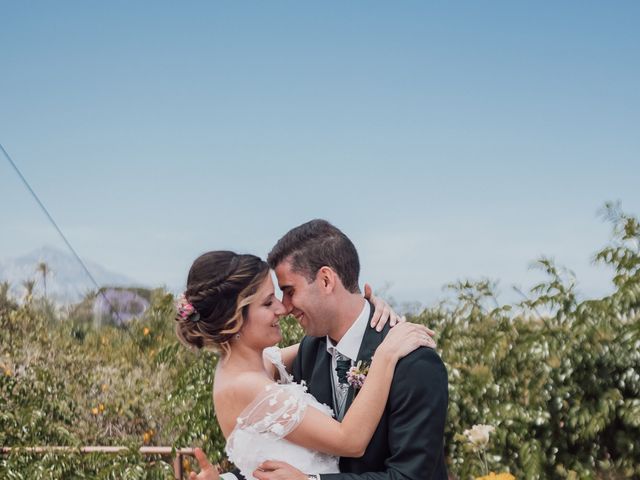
(409, 440)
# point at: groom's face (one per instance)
(304, 300)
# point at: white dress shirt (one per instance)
(349, 346)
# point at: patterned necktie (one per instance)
(343, 364)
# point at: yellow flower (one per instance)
(499, 476)
(7, 372)
(146, 331)
(94, 410)
(105, 387)
(101, 407)
(146, 437)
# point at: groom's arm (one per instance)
(417, 413)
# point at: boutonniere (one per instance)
(358, 374)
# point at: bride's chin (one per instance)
(272, 341)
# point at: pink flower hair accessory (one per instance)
(186, 309)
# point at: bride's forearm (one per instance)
(350, 437)
(361, 421)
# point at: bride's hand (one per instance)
(404, 339)
(382, 311)
(207, 471)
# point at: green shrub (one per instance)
(556, 375)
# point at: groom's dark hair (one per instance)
(318, 244)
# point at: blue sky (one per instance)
(448, 141)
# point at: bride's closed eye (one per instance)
(268, 301)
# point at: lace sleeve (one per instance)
(274, 356)
(277, 410)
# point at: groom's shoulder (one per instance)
(422, 364)
(423, 357)
(307, 356)
(310, 345)
(309, 341)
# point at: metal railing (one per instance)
(177, 454)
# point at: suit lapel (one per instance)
(320, 381)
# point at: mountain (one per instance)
(67, 282)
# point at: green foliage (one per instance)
(557, 375)
(563, 388)
(66, 383)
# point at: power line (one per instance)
(55, 225)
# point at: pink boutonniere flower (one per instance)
(357, 374)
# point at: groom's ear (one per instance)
(327, 278)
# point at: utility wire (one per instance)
(55, 225)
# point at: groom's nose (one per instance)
(288, 307)
(286, 301)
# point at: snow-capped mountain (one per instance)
(67, 281)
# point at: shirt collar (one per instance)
(349, 345)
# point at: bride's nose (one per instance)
(280, 308)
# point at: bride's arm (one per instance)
(350, 437)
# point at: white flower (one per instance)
(277, 429)
(479, 435)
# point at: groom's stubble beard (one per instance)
(317, 320)
(312, 326)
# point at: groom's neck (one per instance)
(348, 309)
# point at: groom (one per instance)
(317, 268)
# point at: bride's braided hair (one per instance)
(220, 286)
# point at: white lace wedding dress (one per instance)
(261, 427)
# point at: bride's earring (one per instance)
(237, 336)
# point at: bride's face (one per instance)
(262, 326)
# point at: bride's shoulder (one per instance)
(236, 393)
(241, 388)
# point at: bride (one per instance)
(230, 306)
